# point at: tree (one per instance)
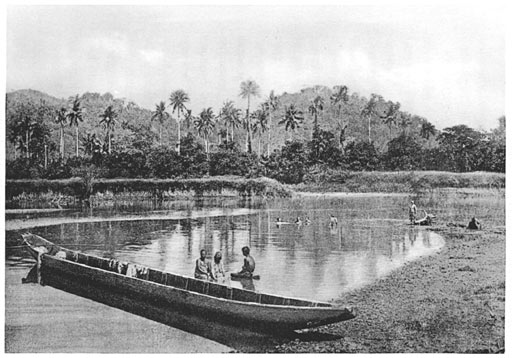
(247, 89)
(260, 123)
(404, 153)
(461, 147)
(230, 116)
(61, 119)
(109, 120)
(338, 98)
(405, 122)
(272, 103)
(205, 125)
(177, 100)
(161, 115)
(391, 115)
(427, 130)
(292, 118)
(315, 108)
(369, 110)
(93, 147)
(75, 115)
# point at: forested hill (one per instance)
(338, 111)
(352, 131)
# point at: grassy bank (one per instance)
(453, 301)
(399, 182)
(70, 192)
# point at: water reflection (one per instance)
(316, 261)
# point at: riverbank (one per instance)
(398, 182)
(453, 301)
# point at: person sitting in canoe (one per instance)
(217, 272)
(249, 264)
(202, 270)
(474, 224)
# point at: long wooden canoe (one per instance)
(60, 267)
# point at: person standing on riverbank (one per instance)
(202, 267)
(412, 212)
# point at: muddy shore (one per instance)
(453, 301)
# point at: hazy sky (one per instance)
(443, 62)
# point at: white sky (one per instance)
(444, 62)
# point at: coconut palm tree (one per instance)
(315, 108)
(161, 115)
(61, 119)
(109, 120)
(205, 124)
(292, 118)
(75, 115)
(260, 123)
(392, 115)
(230, 116)
(177, 100)
(338, 99)
(369, 111)
(247, 89)
(272, 103)
(404, 122)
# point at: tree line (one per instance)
(295, 136)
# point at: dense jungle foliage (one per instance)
(292, 137)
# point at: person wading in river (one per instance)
(249, 263)
(412, 212)
(202, 267)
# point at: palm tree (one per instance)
(427, 130)
(272, 103)
(315, 108)
(91, 144)
(230, 116)
(161, 115)
(75, 115)
(339, 98)
(404, 122)
(109, 120)
(205, 125)
(292, 118)
(369, 111)
(247, 89)
(177, 100)
(392, 115)
(62, 117)
(260, 123)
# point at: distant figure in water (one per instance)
(334, 221)
(217, 272)
(298, 221)
(307, 221)
(249, 263)
(426, 221)
(474, 224)
(412, 212)
(202, 267)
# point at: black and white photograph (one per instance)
(254, 177)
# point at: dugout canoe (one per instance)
(57, 266)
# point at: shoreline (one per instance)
(449, 302)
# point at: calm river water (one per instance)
(314, 261)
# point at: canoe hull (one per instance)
(55, 272)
